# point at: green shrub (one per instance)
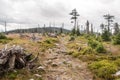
(87, 50)
(73, 46)
(48, 41)
(100, 48)
(116, 39)
(93, 43)
(97, 46)
(46, 45)
(106, 35)
(117, 62)
(73, 32)
(104, 69)
(2, 36)
(5, 41)
(78, 32)
(72, 38)
(75, 54)
(70, 52)
(51, 40)
(99, 38)
(12, 75)
(88, 57)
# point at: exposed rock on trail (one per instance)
(60, 66)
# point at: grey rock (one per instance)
(41, 68)
(31, 79)
(117, 73)
(54, 65)
(37, 75)
(49, 61)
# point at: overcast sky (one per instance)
(30, 13)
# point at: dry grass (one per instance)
(30, 47)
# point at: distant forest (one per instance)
(40, 30)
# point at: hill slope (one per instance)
(39, 30)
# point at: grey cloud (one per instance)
(57, 10)
(107, 1)
(44, 11)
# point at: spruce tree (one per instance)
(106, 35)
(92, 29)
(102, 26)
(116, 28)
(109, 18)
(87, 27)
(74, 17)
(116, 39)
(73, 32)
(78, 31)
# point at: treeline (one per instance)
(40, 30)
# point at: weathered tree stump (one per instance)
(15, 58)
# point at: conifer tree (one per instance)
(87, 27)
(116, 28)
(109, 18)
(91, 28)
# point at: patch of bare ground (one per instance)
(114, 49)
(60, 66)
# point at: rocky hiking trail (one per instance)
(59, 66)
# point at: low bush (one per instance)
(2, 36)
(86, 36)
(87, 50)
(12, 75)
(73, 32)
(97, 46)
(116, 39)
(70, 52)
(4, 39)
(51, 40)
(72, 38)
(117, 62)
(99, 38)
(104, 69)
(88, 57)
(100, 48)
(73, 53)
(48, 43)
(93, 43)
(73, 46)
